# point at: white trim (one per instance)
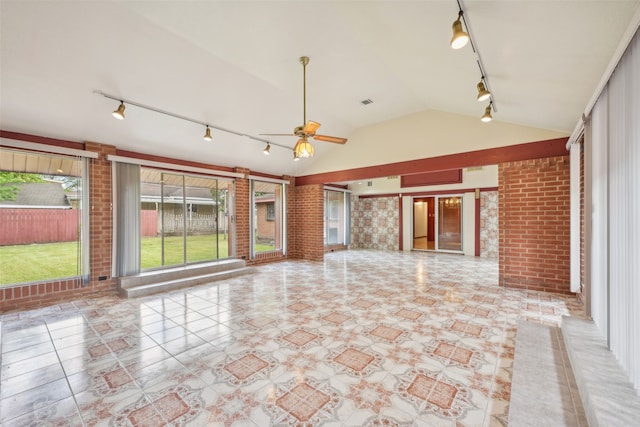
(164, 165)
(574, 218)
(265, 179)
(632, 28)
(47, 148)
(34, 207)
(344, 190)
(577, 133)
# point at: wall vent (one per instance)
(474, 169)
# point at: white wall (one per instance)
(420, 219)
(425, 134)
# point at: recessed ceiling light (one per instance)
(366, 101)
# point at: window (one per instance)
(42, 228)
(268, 219)
(271, 211)
(336, 217)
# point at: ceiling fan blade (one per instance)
(277, 134)
(311, 127)
(334, 139)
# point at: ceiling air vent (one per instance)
(366, 101)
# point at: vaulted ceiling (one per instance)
(235, 65)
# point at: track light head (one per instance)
(460, 37)
(267, 149)
(119, 112)
(483, 93)
(486, 117)
(207, 134)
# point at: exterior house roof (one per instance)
(152, 192)
(38, 194)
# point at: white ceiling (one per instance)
(234, 64)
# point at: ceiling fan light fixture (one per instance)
(486, 117)
(295, 155)
(460, 37)
(119, 112)
(207, 134)
(483, 93)
(303, 148)
(267, 149)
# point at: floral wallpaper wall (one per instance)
(375, 223)
(489, 224)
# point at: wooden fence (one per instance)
(26, 226)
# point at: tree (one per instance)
(10, 183)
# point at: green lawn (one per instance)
(37, 262)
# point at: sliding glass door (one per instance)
(450, 223)
(184, 219)
(437, 223)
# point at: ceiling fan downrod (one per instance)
(304, 60)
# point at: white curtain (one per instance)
(615, 210)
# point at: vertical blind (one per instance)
(127, 219)
(615, 192)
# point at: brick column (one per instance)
(242, 223)
(101, 216)
(308, 223)
(533, 198)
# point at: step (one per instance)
(606, 391)
(543, 388)
(152, 282)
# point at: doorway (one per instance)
(437, 223)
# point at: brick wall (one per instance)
(534, 224)
(60, 290)
(307, 218)
(243, 216)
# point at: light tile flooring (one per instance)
(365, 338)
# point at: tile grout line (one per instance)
(66, 377)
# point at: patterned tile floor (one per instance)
(364, 338)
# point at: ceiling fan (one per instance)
(308, 130)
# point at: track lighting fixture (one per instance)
(483, 93)
(207, 134)
(486, 117)
(460, 37)
(303, 148)
(306, 151)
(119, 112)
